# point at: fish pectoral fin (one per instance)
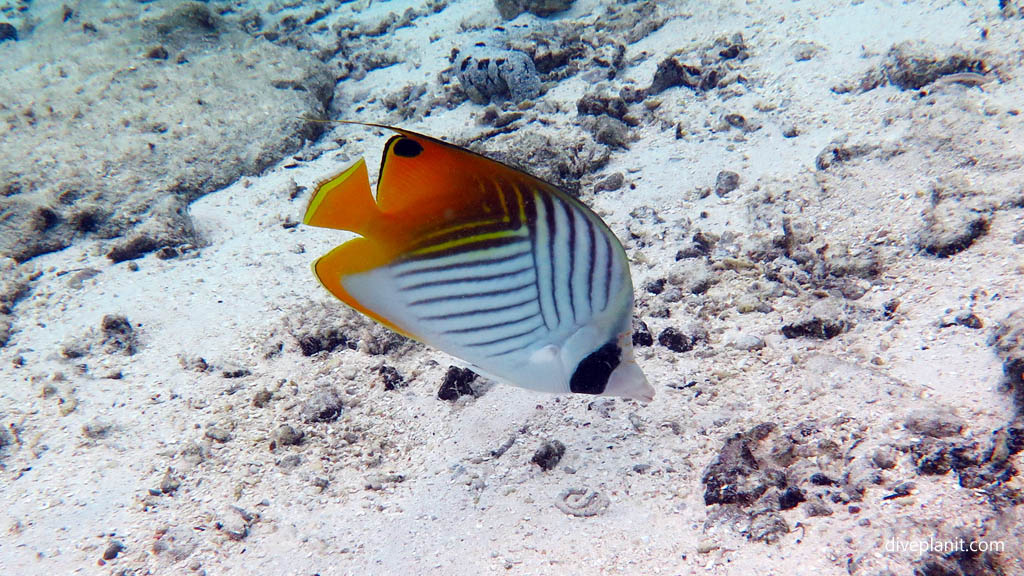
(353, 257)
(344, 201)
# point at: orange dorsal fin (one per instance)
(344, 201)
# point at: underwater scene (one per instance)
(454, 287)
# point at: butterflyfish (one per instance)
(485, 262)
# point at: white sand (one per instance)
(460, 511)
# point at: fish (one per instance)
(494, 266)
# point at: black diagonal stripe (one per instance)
(470, 295)
(511, 350)
(549, 214)
(528, 202)
(607, 270)
(490, 326)
(572, 257)
(590, 263)
(462, 279)
(479, 245)
(505, 338)
(501, 308)
(457, 265)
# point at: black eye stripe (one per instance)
(407, 147)
(591, 375)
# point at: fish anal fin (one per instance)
(353, 257)
(344, 201)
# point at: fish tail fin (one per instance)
(628, 381)
(344, 201)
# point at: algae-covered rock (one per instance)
(491, 73)
(511, 8)
(910, 65)
(100, 140)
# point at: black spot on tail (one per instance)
(591, 375)
(408, 148)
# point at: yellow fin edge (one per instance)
(348, 189)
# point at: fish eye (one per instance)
(591, 375)
(407, 147)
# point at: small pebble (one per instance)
(816, 508)
(286, 435)
(641, 334)
(821, 328)
(900, 490)
(611, 183)
(456, 383)
(611, 132)
(157, 53)
(96, 430)
(291, 461)
(675, 340)
(235, 373)
(726, 182)
(218, 434)
(169, 484)
(324, 406)
(767, 528)
(6, 438)
(884, 458)
(113, 549)
(706, 546)
(950, 229)
(391, 377)
(791, 497)
(736, 121)
(261, 398)
(8, 32)
(819, 479)
(549, 454)
(746, 342)
(934, 422)
(969, 320)
(655, 286)
(931, 457)
(236, 527)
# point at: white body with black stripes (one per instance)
(530, 287)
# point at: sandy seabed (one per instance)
(822, 202)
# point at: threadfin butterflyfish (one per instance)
(485, 262)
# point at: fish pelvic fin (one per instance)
(344, 202)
